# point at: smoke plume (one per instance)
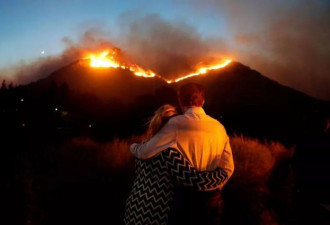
(90, 40)
(288, 41)
(169, 48)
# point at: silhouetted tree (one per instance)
(10, 86)
(4, 85)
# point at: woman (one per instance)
(151, 197)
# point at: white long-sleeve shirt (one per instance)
(200, 138)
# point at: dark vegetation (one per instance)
(65, 143)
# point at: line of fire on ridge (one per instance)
(107, 60)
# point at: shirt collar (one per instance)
(195, 110)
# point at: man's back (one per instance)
(200, 138)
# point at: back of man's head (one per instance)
(191, 95)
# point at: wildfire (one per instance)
(202, 70)
(103, 60)
(138, 71)
(106, 60)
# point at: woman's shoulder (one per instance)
(170, 151)
(172, 154)
(173, 119)
(169, 154)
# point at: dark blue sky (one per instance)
(286, 40)
(29, 27)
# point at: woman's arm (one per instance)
(186, 175)
(164, 139)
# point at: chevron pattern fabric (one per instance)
(150, 200)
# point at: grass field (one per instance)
(82, 181)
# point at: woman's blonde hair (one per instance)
(161, 116)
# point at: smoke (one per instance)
(287, 41)
(23, 72)
(169, 48)
(92, 39)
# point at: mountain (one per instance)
(114, 102)
(104, 83)
(250, 103)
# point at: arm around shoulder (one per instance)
(164, 139)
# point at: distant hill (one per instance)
(104, 83)
(248, 102)
(114, 102)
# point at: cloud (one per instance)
(91, 39)
(286, 40)
(167, 47)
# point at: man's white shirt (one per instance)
(199, 137)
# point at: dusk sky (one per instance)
(288, 41)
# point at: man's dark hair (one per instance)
(191, 94)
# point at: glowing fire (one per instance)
(102, 60)
(200, 71)
(106, 60)
(138, 71)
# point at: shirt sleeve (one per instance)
(164, 139)
(226, 161)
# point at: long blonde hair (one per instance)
(161, 116)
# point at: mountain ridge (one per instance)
(115, 102)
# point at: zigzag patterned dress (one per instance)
(150, 200)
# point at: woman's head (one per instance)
(161, 116)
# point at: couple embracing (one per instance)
(182, 167)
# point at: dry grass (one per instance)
(103, 173)
(255, 160)
(248, 193)
(113, 155)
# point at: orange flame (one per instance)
(138, 71)
(104, 60)
(200, 71)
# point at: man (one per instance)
(203, 141)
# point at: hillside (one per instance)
(109, 102)
(66, 142)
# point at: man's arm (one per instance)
(227, 162)
(164, 139)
